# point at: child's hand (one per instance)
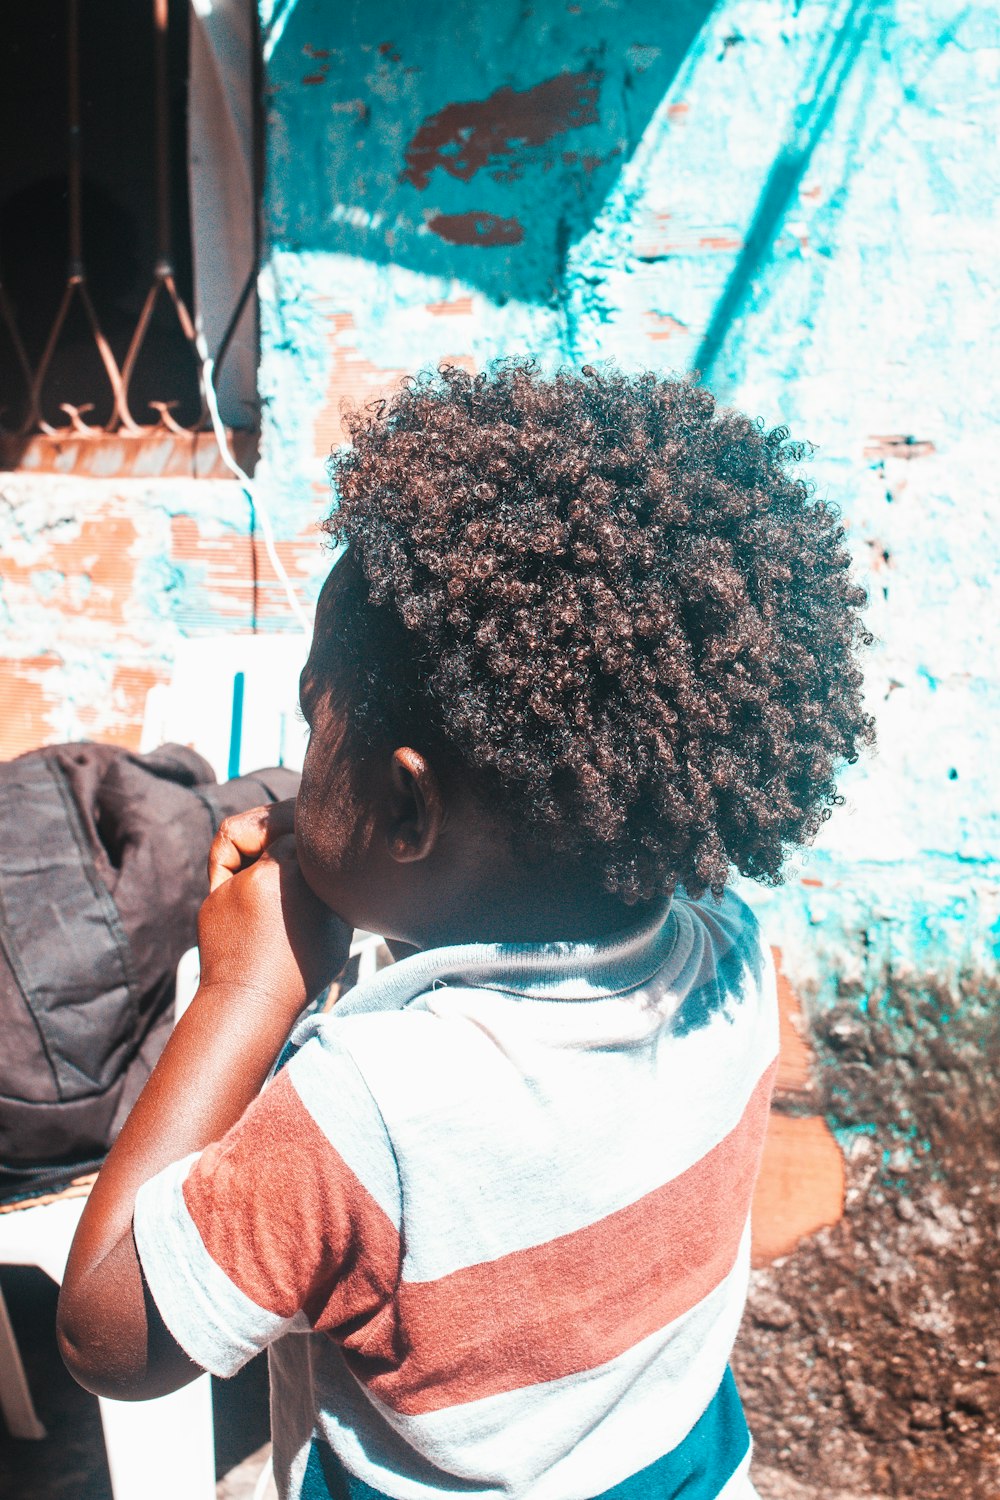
(262, 929)
(243, 838)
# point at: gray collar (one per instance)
(541, 971)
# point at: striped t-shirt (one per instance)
(492, 1221)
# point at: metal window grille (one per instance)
(109, 396)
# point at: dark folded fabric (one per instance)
(102, 871)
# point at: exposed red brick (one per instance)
(651, 240)
(796, 1060)
(227, 562)
(460, 307)
(462, 361)
(664, 326)
(719, 242)
(352, 381)
(898, 445)
(341, 322)
(118, 720)
(801, 1185)
(99, 556)
(24, 705)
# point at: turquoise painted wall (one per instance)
(795, 198)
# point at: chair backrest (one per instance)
(235, 700)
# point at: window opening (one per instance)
(97, 260)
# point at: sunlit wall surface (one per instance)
(795, 200)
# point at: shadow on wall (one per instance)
(396, 144)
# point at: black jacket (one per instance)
(102, 871)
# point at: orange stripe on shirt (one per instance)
(574, 1302)
(281, 1213)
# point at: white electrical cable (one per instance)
(225, 453)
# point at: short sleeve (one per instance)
(289, 1224)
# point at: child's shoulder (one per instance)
(726, 919)
(400, 1057)
(729, 959)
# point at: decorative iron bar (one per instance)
(163, 285)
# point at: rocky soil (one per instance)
(870, 1357)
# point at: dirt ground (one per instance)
(870, 1358)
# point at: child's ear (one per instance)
(417, 810)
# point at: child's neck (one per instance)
(539, 904)
(477, 880)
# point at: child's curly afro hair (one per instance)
(616, 607)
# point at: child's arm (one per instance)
(267, 947)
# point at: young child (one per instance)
(590, 646)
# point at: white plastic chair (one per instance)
(233, 699)
(157, 1450)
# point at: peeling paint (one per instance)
(352, 380)
(476, 229)
(525, 120)
(463, 139)
(860, 345)
(89, 570)
(99, 581)
(25, 703)
(392, 243)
